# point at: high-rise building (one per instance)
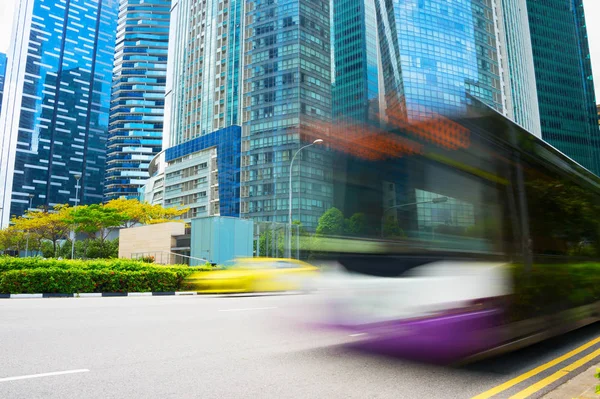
(54, 122)
(138, 91)
(564, 81)
(436, 54)
(2, 74)
(266, 66)
(417, 58)
(287, 92)
(517, 64)
(356, 91)
(204, 67)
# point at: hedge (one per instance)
(36, 275)
(11, 263)
(68, 281)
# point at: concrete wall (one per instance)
(158, 238)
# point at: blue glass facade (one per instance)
(564, 80)
(54, 124)
(138, 89)
(2, 73)
(519, 73)
(287, 91)
(228, 144)
(436, 53)
(204, 66)
(356, 91)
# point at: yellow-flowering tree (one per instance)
(44, 225)
(136, 212)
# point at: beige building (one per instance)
(156, 240)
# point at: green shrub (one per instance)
(10, 263)
(74, 280)
(37, 275)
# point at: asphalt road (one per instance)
(216, 347)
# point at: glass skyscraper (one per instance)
(204, 66)
(436, 53)
(356, 84)
(2, 74)
(565, 86)
(517, 64)
(54, 122)
(413, 59)
(138, 90)
(287, 92)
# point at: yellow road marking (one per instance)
(556, 376)
(535, 371)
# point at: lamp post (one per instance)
(289, 240)
(432, 201)
(77, 177)
(27, 242)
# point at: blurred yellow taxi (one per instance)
(256, 275)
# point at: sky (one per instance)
(592, 14)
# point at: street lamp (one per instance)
(77, 177)
(437, 200)
(27, 242)
(289, 240)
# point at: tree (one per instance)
(356, 225)
(95, 220)
(136, 212)
(391, 229)
(44, 225)
(331, 223)
(12, 239)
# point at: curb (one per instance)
(95, 294)
(138, 294)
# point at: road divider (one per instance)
(531, 373)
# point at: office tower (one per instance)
(54, 122)
(356, 95)
(138, 90)
(202, 174)
(563, 74)
(2, 74)
(287, 93)
(204, 66)
(435, 54)
(518, 67)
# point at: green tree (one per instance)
(331, 223)
(45, 225)
(356, 225)
(13, 239)
(391, 229)
(95, 220)
(265, 243)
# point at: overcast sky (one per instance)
(592, 11)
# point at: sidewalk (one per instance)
(580, 387)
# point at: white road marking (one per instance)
(241, 310)
(25, 377)
(357, 335)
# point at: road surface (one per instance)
(232, 347)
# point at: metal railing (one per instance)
(169, 258)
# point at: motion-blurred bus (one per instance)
(470, 237)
